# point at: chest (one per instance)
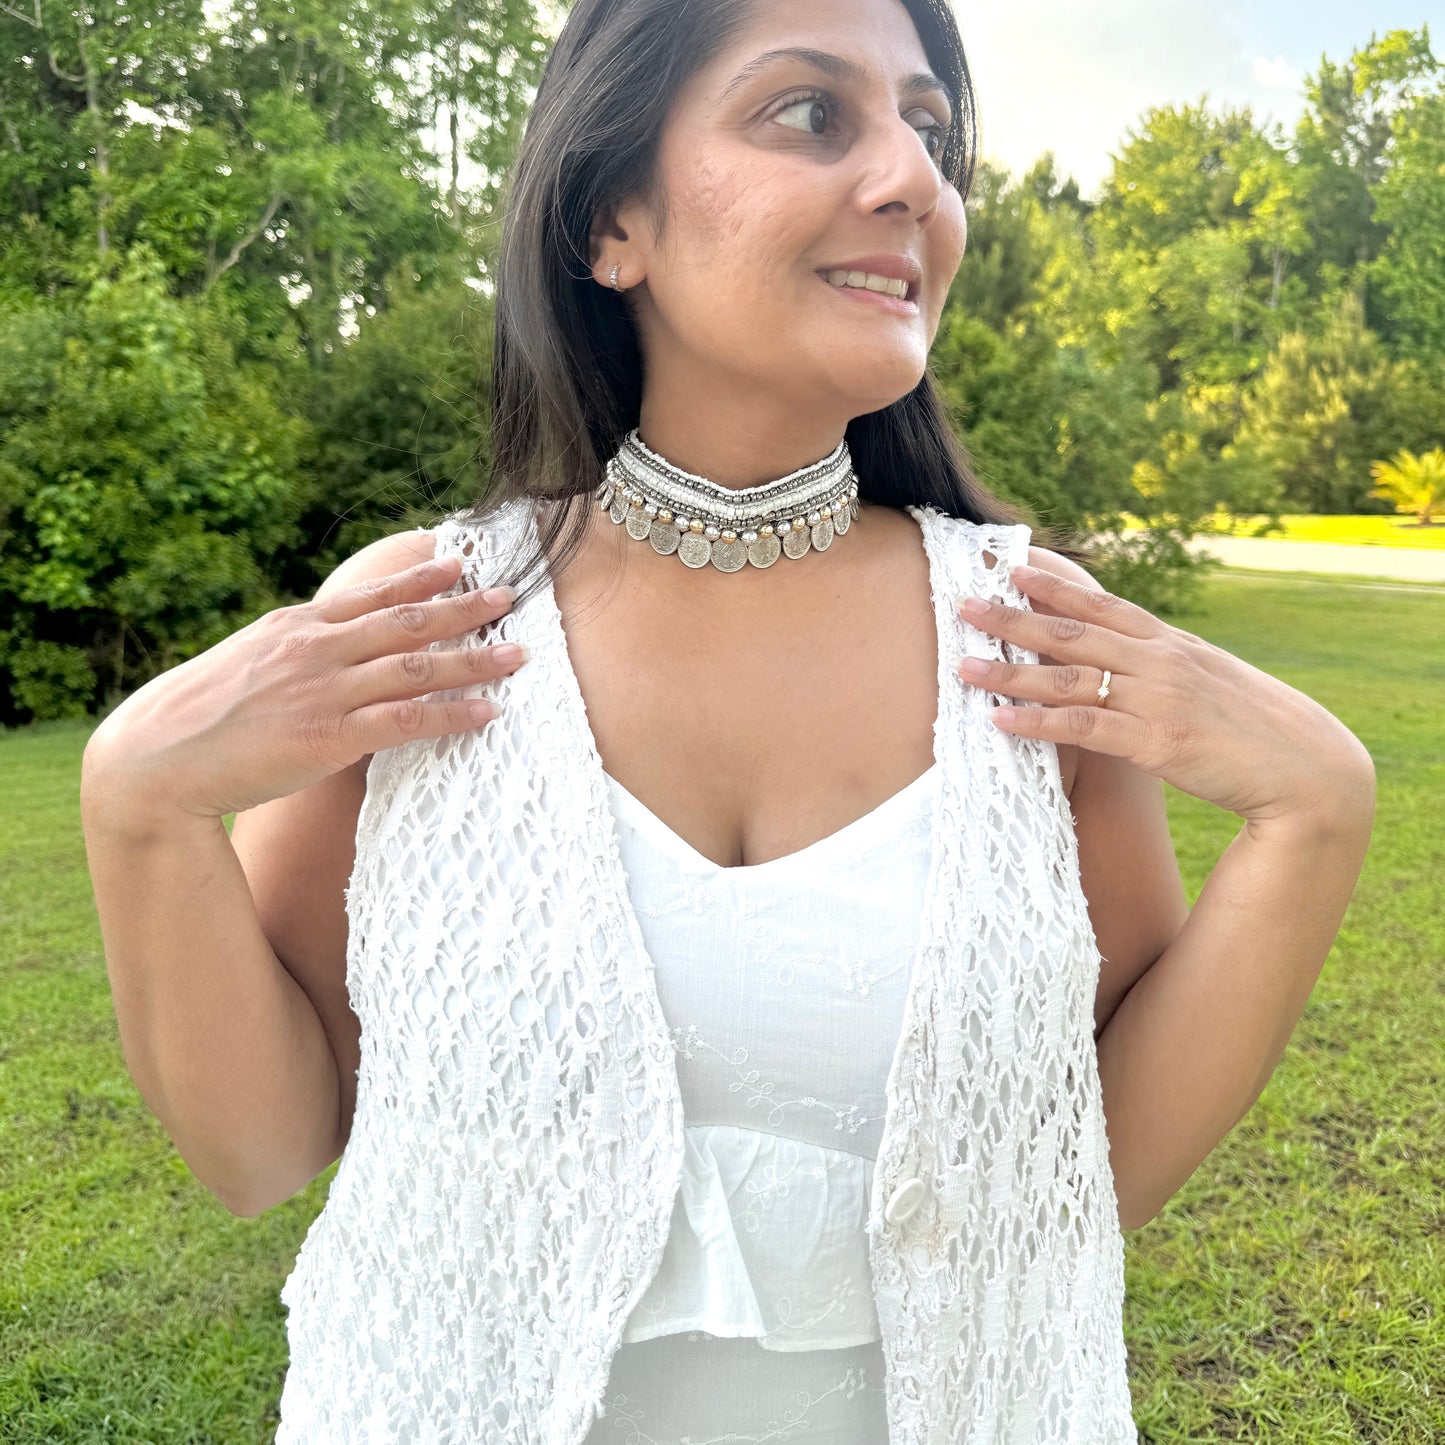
(756, 714)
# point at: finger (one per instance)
(409, 626)
(1099, 728)
(411, 674)
(1066, 685)
(1067, 638)
(371, 594)
(389, 724)
(1091, 604)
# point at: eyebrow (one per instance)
(838, 68)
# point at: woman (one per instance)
(892, 1211)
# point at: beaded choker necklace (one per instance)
(702, 522)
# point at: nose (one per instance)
(899, 170)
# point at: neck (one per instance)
(734, 457)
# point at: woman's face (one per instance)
(774, 174)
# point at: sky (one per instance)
(1073, 76)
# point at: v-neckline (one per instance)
(818, 851)
(596, 780)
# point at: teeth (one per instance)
(866, 281)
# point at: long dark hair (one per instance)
(566, 366)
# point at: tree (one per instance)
(146, 479)
(1343, 142)
(1324, 406)
(1413, 484)
(1410, 269)
(1196, 227)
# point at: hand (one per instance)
(1178, 708)
(300, 693)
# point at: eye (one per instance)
(820, 103)
(813, 99)
(935, 136)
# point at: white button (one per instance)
(904, 1201)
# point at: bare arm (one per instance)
(231, 1002)
(1199, 1029)
(1196, 1039)
(223, 1044)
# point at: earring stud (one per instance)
(615, 286)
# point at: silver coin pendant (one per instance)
(695, 549)
(765, 551)
(729, 556)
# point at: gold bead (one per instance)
(663, 515)
(766, 530)
(697, 526)
(729, 535)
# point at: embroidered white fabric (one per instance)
(505, 1196)
(783, 985)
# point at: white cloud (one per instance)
(1277, 74)
(1075, 77)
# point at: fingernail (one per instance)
(975, 606)
(499, 595)
(510, 652)
(1026, 572)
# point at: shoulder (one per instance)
(1047, 561)
(393, 553)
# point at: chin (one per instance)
(873, 391)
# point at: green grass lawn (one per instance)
(1291, 1293)
(1364, 531)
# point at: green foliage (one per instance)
(1413, 484)
(146, 476)
(1410, 270)
(245, 311)
(1324, 406)
(400, 417)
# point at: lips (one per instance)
(894, 286)
(895, 267)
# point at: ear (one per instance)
(603, 240)
(614, 240)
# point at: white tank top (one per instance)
(783, 986)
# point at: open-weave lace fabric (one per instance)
(504, 1198)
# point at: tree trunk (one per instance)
(453, 101)
(102, 140)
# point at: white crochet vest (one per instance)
(503, 1200)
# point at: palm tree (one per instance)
(1414, 484)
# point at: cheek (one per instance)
(733, 226)
(709, 211)
(952, 229)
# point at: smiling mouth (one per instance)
(883, 286)
(908, 301)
